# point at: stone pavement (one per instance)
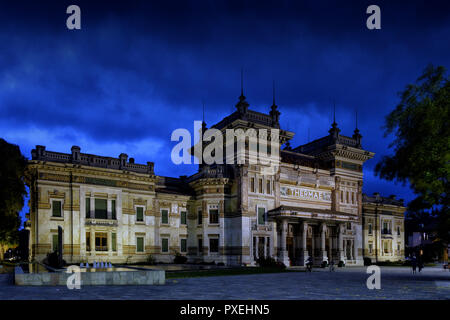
(345, 283)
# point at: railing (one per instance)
(386, 231)
(101, 222)
(101, 248)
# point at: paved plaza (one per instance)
(345, 283)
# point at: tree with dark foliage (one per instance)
(421, 125)
(12, 191)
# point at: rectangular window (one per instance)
(139, 214)
(398, 231)
(261, 216)
(140, 244)
(268, 187)
(346, 197)
(88, 241)
(56, 208)
(88, 208)
(165, 216)
(101, 241)
(101, 209)
(200, 245)
(342, 196)
(183, 245)
(213, 216)
(113, 209)
(214, 245)
(199, 217)
(252, 184)
(353, 197)
(113, 241)
(370, 248)
(260, 185)
(55, 242)
(349, 226)
(165, 245)
(183, 217)
(370, 228)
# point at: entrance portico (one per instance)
(319, 233)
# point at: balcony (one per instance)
(101, 222)
(386, 231)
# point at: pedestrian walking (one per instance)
(331, 266)
(309, 264)
(414, 264)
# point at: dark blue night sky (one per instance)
(138, 70)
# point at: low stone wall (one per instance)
(139, 277)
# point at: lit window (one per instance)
(101, 241)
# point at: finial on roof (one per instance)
(334, 131)
(242, 105)
(356, 135)
(274, 113)
(242, 81)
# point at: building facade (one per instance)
(384, 228)
(309, 204)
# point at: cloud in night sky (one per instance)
(138, 70)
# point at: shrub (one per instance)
(324, 264)
(341, 264)
(367, 261)
(179, 259)
(151, 259)
(270, 262)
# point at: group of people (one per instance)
(309, 264)
(416, 263)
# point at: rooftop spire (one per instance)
(334, 131)
(203, 117)
(356, 135)
(274, 92)
(242, 105)
(242, 81)
(274, 113)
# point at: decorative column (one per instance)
(109, 209)
(92, 206)
(330, 247)
(304, 250)
(92, 241)
(323, 228)
(341, 253)
(283, 256)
